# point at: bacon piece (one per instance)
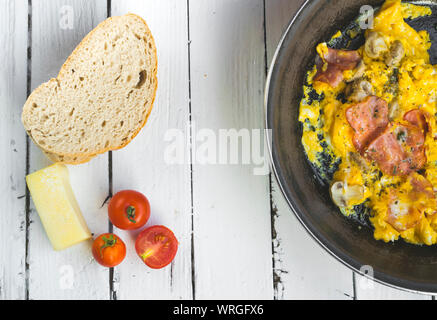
(332, 75)
(330, 67)
(342, 59)
(399, 150)
(369, 119)
(422, 185)
(406, 210)
(418, 118)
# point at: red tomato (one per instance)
(156, 246)
(109, 250)
(129, 210)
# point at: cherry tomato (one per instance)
(109, 250)
(129, 210)
(156, 246)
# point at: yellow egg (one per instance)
(326, 129)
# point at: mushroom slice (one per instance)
(358, 72)
(358, 90)
(344, 195)
(396, 54)
(375, 45)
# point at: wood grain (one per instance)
(232, 234)
(142, 166)
(49, 270)
(13, 57)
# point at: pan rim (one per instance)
(378, 276)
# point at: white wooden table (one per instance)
(238, 239)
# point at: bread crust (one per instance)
(86, 157)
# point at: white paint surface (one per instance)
(230, 206)
(13, 57)
(232, 233)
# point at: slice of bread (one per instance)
(102, 96)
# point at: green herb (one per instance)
(130, 212)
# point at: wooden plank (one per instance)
(303, 269)
(73, 273)
(232, 234)
(13, 70)
(142, 166)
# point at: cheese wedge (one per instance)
(57, 206)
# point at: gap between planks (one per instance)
(28, 91)
(276, 280)
(112, 276)
(190, 120)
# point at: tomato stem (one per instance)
(107, 243)
(130, 212)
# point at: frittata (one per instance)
(369, 124)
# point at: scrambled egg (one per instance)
(328, 137)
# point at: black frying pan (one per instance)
(398, 264)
